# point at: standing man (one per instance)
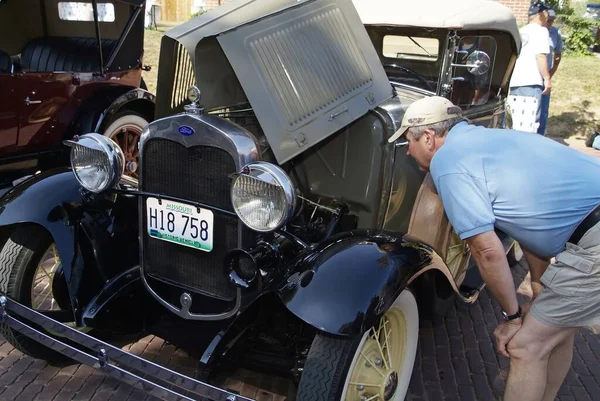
(556, 47)
(544, 195)
(531, 76)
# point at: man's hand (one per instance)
(504, 333)
(547, 86)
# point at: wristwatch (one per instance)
(508, 317)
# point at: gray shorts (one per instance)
(571, 285)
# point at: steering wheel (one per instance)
(420, 77)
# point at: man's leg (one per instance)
(559, 364)
(530, 351)
(545, 111)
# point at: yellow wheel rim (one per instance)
(375, 374)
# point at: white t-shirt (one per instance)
(535, 40)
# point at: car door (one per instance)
(9, 113)
(480, 63)
(43, 96)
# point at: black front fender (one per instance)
(84, 232)
(345, 284)
(44, 199)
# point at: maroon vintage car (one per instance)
(68, 68)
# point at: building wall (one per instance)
(519, 8)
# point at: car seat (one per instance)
(6, 64)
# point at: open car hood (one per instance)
(307, 67)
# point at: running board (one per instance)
(110, 359)
(473, 282)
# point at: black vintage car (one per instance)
(273, 229)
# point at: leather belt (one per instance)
(588, 222)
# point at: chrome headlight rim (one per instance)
(112, 151)
(278, 177)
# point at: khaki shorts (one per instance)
(571, 285)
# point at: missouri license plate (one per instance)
(180, 223)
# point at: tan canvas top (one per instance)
(449, 14)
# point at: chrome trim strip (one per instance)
(413, 88)
(386, 112)
(209, 130)
(106, 353)
(185, 313)
(174, 198)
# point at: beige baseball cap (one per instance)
(429, 110)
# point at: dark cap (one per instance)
(537, 7)
(551, 13)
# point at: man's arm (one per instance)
(489, 254)
(542, 63)
(555, 63)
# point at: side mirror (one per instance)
(477, 63)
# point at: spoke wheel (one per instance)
(29, 267)
(374, 376)
(42, 296)
(126, 130)
(376, 366)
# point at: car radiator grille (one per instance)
(196, 174)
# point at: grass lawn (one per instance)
(151, 56)
(574, 105)
(575, 99)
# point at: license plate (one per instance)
(180, 223)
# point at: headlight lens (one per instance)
(97, 161)
(263, 197)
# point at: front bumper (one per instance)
(111, 360)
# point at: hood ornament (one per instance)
(193, 95)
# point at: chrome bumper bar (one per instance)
(110, 359)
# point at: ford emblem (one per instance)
(186, 130)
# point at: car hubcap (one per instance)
(127, 137)
(375, 374)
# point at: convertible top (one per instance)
(447, 14)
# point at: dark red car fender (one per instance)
(137, 99)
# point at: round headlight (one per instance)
(263, 196)
(97, 161)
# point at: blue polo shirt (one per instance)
(531, 187)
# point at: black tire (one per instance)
(327, 368)
(19, 260)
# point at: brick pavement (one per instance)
(456, 360)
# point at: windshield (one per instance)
(410, 57)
